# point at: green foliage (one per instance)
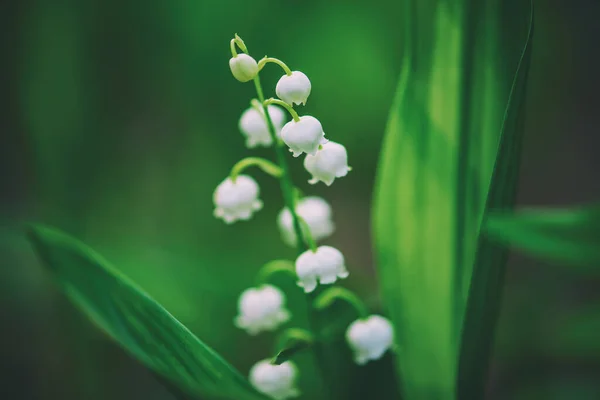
(136, 322)
(448, 133)
(571, 236)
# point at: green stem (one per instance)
(285, 105)
(287, 187)
(265, 165)
(329, 296)
(265, 60)
(291, 342)
(232, 46)
(308, 235)
(275, 267)
(288, 191)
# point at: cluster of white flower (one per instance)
(237, 198)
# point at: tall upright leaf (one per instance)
(441, 146)
(139, 324)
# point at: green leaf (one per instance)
(136, 322)
(451, 128)
(487, 280)
(571, 235)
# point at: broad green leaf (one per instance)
(136, 322)
(571, 235)
(450, 130)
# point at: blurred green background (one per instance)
(119, 118)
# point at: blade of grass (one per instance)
(570, 236)
(487, 280)
(136, 322)
(440, 150)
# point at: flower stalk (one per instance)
(287, 187)
(285, 105)
(265, 165)
(277, 61)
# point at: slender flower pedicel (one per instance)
(253, 125)
(261, 309)
(323, 265)
(236, 200)
(370, 338)
(293, 88)
(276, 381)
(317, 214)
(330, 162)
(303, 136)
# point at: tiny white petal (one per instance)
(253, 125)
(275, 381)
(370, 338)
(294, 88)
(236, 200)
(243, 67)
(326, 264)
(303, 136)
(261, 309)
(317, 214)
(328, 163)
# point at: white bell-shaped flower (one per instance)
(243, 67)
(294, 88)
(325, 266)
(261, 309)
(275, 381)
(330, 162)
(317, 214)
(236, 200)
(253, 125)
(303, 136)
(370, 338)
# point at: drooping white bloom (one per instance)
(294, 88)
(261, 309)
(253, 125)
(330, 162)
(323, 266)
(370, 338)
(303, 136)
(243, 67)
(236, 200)
(276, 381)
(317, 214)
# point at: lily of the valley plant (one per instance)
(302, 222)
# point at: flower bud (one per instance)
(294, 88)
(236, 200)
(243, 67)
(303, 136)
(254, 127)
(317, 214)
(330, 162)
(261, 309)
(323, 266)
(275, 381)
(370, 338)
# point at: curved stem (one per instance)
(329, 296)
(291, 342)
(264, 164)
(308, 235)
(285, 105)
(232, 46)
(275, 267)
(287, 188)
(277, 61)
